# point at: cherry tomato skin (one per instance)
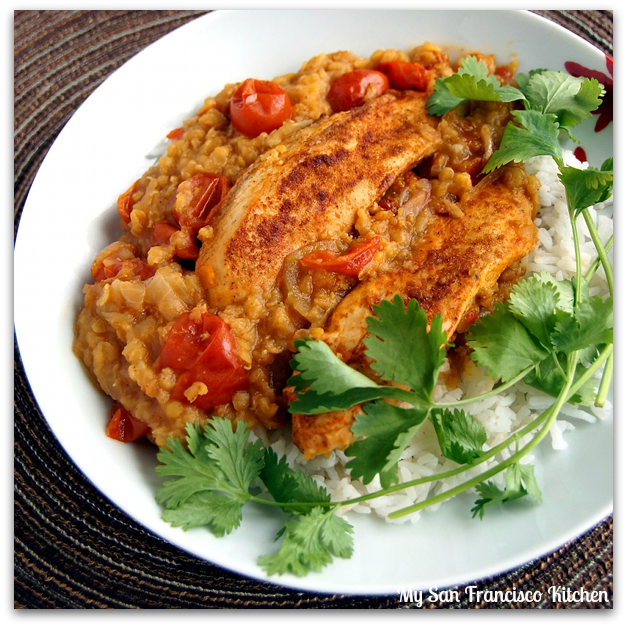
(201, 193)
(350, 263)
(349, 90)
(114, 261)
(259, 107)
(163, 231)
(176, 133)
(203, 350)
(406, 75)
(123, 426)
(126, 202)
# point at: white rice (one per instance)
(500, 415)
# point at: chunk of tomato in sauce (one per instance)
(196, 197)
(406, 75)
(185, 247)
(259, 107)
(201, 348)
(349, 263)
(123, 426)
(351, 89)
(119, 260)
(126, 201)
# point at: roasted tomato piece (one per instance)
(126, 201)
(184, 245)
(119, 260)
(350, 263)
(351, 89)
(123, 426)
(200, 348)
(259, 107)
(406, 75)
(176, 133)
(196, 197)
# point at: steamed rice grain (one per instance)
(500, 415)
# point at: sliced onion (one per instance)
(133, 293)
(168, 291)
(294, 296)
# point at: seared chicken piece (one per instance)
(311, 191)
(456, 261)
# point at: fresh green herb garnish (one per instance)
(214, 481)
(550, 333)
(519, 481)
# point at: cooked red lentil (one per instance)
(153, 334)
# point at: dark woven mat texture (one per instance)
(72, 547)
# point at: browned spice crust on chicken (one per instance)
(457, 261)
(310, 191)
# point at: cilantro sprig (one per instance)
(550, 333)
(553, 103)
(215, 475)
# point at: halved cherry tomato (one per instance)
(259, 107)
(350, 263)
(203, 349)
(123, 426)
(185, 247)
(134, 267)
(176, 133)
(349, 90)
(126, 202)
(196, 197)
(406, 75)
(119, 259)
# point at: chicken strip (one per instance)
(455, 262)
(311, 191)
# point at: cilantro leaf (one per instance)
(403, 331)
(519, 481)
(536, 134)
(571, 99)
(387, 430)
(335, 536)
(460, 436)
(534, 302)
(548, 378)
(239, 461)
(219, 512)
(590, 324)
(290, 486)
(194, 468)
(323, 382)
(588, 187)
(503, 345)
(309, 543)
(470, 82)
(310, 540)
(442, 100)
(214, 475)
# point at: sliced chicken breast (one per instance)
(310, 190)
(457, 260)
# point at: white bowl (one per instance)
(70, 215)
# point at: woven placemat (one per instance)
(72, 547)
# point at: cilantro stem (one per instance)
(597, 262)
(414, 482)
(578, 273)
(485, 395)
(594, 234)
(606, 380)
(605, 354)
(553, 412)
(574, 387)
(515, 437)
